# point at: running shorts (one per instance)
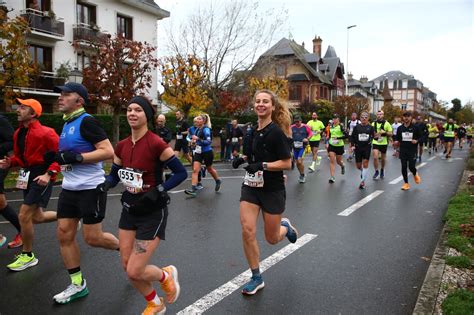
(314, 144)
(272, 202)
(205, 158)
(147, 227)
(298, 153)
(339, 150)
(86, 204)
(181, 145)
(362, 154)
(36, 194)
(381, 148)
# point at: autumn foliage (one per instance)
(234, 102)
(344, 106)
(275, 84)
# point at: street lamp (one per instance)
(347, 59)
(75, 75)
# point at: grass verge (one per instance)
(459, 302)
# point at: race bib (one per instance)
(132, 180)
(22, 179)
(254, 180)
(66, 168)
(449, 133)
(363, 137)
(198, 149)
(235, 140)
(407, 136)
(298, 144)
(334, 141)
(432, 135)
(179, 137)
(381, 140)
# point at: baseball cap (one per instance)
(74, 87)
(335, 116)
(34, 104)
(297, 118)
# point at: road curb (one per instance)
(426, 301)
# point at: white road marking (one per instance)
(360, 203)
(211, 299)
(400, 178)
(432, 158)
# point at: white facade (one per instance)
(142, 14)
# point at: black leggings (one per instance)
(431, 143)
(408, 160)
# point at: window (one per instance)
(124, 27)
(404, 95)
(41, 57)
(395, 84)
(85, 14)
(390, 85)
(404, 106)
(40, 5)
(295, 92)
(82, 61)
(381, 85)
(280, 70)
(405, 84)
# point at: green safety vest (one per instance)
(449, 130)
(386, 127)
(336, 132)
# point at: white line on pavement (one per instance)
(432, 158)
(211, 299)
(360, 203)
(400, 178)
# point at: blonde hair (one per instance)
(281, 115)
(207, 120)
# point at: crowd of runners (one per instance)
(147, 167)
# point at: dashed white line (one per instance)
(211, 299)
(360, 203)
(432, 158)
(400, 178)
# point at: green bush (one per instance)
(459, 261)
(460, 302)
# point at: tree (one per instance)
(227, 37)
(324, 109)
(15, 62)
(119, 69)
(182, 79)
(234, 103)
(465, 115)
(456, 108)
(346, 105)
(278, 85)
(390, 112)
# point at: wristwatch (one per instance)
(160, 188)
(265, 166)
(79, 158)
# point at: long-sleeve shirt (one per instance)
(362, 136)
(405, 135)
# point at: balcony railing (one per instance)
(87, 33)
(46, 81)
(44, 22)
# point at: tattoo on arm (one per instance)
(140, 246)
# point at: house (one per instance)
(310, 76)
(407, 92)
(62, 29)
(366, 89)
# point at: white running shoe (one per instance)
(71, 293)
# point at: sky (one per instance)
(433, 40)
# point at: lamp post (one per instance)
(347, 59)
(75, 76)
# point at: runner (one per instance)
(138, 164)
(234, 139)
(395, 125)
(300, 135)
(470, 133)
(162, 130)
(263, 187)
(336, 137)
(182, 127)
(424, 132)
(383, 129)
(192, 147)
(461, 133)
(448, 137)
(83, 146)
(36, 176)
(433, 134)
(6, 146)
(350, 126)
(361, 139)
(407, 139)
(203, 153)
(317, 127)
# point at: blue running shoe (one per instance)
(191, 192)
(376, 174)
(256, 283)
(218, 185)
(199, 186)
(292, 234)
(382, 174)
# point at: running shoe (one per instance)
(311, 167)
(72, 292)
(382, 174)
(218, 185)
(343, 169)
(191, 192)
(406, 186)
(292, 233)
(362, 185)
(318, 161)
(349, 159)
(417, 179)
(302, 179)
(332, 180)
(3, 240)
(199, 186)
(419, 159)
(376, 174)
(171, 285)
(256, 283)
(23, 261)
(152, 308)
(17, 242)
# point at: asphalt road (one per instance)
(371, 261)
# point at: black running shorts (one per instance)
(272, 202)
(86, 204)
(205, 158)
(35, 194)
(381, 147)
(362, 154)
(147, 227)
(314, 144)
(339, 150)
(181, 145)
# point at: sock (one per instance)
(164, 276)
(29, 254)
(11, 216)
(153, 297)
(256, 272)
(76, 276)
(364, 173)
(312, 164)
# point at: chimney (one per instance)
(317, 41)
(364, 79)
(350, 76)
(302, 44)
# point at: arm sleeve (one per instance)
(308, 130)
(92, 131)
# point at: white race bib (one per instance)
(179, 137)
(298, 144)
(363, 137)
(22, 179)
(132, 180)
(334, 141)
(66, 168)
(407, 136)
(381, 140)
(198, 149)
(235, 140)
(254, 180)
(449, 133)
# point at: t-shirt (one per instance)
(300, 133)
(181, 126)
(395, 127)
(142, 157)
(351, 124)
(362, 136)
(269, 148)
(405, 135)
(381, 125)
(316, 127)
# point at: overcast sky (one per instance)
(432, 40)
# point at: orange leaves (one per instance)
(277, 85)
